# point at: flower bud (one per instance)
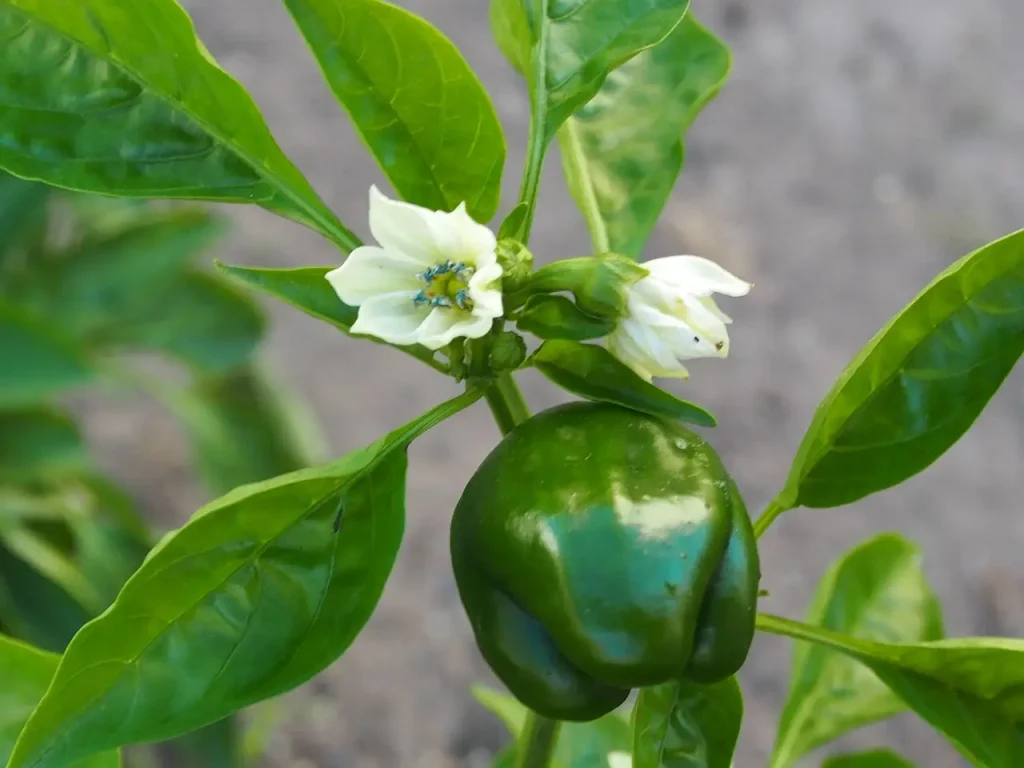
(516, 264)
(508, 352)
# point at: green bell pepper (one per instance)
(597, 550)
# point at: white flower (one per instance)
(671, 317)
(432, 278)
(620, 760)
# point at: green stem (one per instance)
(507, 403)
(537, 142)
(537, 741)
(770, 514)
(851, 646)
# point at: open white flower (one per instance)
(672, 318)
(432, 278)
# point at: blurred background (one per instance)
(858, 149)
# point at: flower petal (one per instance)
(697, 276)
(713, 335)
(639, 357)
(393, 317)
(371, 271)
(710, 305)
(444, 325)
(404, 228)
(460, 238)
(486, 298)
(625, 355)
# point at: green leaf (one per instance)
(36, 360)
(969, 689)
(566, 48)
(622, 152)
(239, 430)
(875, 758)
(26, 673)
(38, 443)
(306, 289)
(73, 548)
(919, 384)
(686, 725)
(22, 205)
(106, 278)
(257, 593)
(876, 592)
(549, 316)
(580, 745)
(199, 320)
(593, 372)
(34, 608)
(122, 98)
(52, 563)
(511, 227)
(413, 98)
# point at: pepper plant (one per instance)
(602, 548)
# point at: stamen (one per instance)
(447, 285)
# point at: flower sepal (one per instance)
(599, 284)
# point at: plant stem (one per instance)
(537, 141)
(507, 403)
(771, 512)
(539, 736)
(537, 742)
(852, 646)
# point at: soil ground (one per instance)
(858, 149)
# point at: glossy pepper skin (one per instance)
(596, 550)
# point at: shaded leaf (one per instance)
(122, 98)
(199, 320)
(687, 725)
(623, 151)
(413, 98)
(593, 372)
(34, 608)
(36, 360)
(969, 689)
(875, 758)
(257, 593)
(22, 206)
(876, 592)
(919, 384)
(239, 430)
(107, 278)
(37, 443)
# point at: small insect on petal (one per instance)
(671, 317)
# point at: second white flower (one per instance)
(671, 317)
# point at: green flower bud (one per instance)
(599, 283)
(516, 264)
(508, 352)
